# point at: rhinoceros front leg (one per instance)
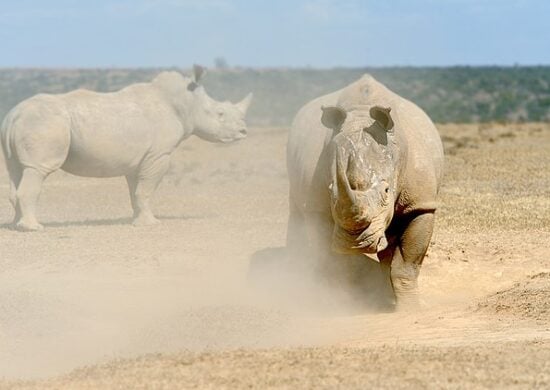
(406, 259)
(142, 185)
(27, 194)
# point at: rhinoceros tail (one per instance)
(5, 131)
(14, 169)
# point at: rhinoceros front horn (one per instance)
(245, 103)
(345, 197)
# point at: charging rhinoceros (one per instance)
(365, 166)
(131, 133)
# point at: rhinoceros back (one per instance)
(89, 133)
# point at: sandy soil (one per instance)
(92, 302)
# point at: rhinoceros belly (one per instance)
(106, 154)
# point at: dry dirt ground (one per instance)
(92, 302)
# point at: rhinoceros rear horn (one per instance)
(382, 116)
(333, 117)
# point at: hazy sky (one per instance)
(318, 33)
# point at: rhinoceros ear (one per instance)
(382, 116)
(333, 117)
(198, 72)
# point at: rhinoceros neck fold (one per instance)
(172, 87)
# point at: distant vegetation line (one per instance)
(454, 94)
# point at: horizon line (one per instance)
(275, 67)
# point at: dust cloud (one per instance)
(53, 322)
(213, 276)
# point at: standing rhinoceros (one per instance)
(365, 167)
(131, 133)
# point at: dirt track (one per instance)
(170, 304)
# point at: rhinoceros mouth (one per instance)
(365, 241)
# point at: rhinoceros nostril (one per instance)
(243, 131)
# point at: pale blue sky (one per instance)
(318, 33)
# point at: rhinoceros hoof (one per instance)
(145, 221)
(24, 226)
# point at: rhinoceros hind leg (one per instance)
(407, 260)
(15, 172)
(27, 195)
(143, 185)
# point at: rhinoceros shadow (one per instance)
(342, 285)
(105, 221)
(115, 221)
(89, 222)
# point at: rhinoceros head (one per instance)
(217, 121)
(362, 182)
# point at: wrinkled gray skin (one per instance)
(131, 133)
(365, 166)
